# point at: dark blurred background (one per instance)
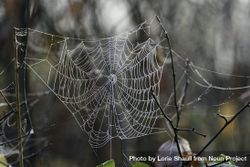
(212, 34)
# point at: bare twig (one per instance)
(175, 129)
(221, 116)
(221, 130)
(173, 70)
(174, 84)
(193, 130)
(184, 93)
(170, 122)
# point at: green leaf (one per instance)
(3, 161)
(109, 163)
(224, 164)
(229, 162)
(140, 164)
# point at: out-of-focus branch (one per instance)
(222, 129)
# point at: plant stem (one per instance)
(18, 114)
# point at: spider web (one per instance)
(104, 83)
(9, 136)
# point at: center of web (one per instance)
(112, 78)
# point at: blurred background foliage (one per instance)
(213, 34)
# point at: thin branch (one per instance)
(222, 129)
(184, 93)
(173, 70)
(170, 122)
(175, 92)
(163, 113)
(191, 130)
(221, 116)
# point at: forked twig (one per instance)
(222, 129)
(170, 122)
(175, 129)
(223, 117)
